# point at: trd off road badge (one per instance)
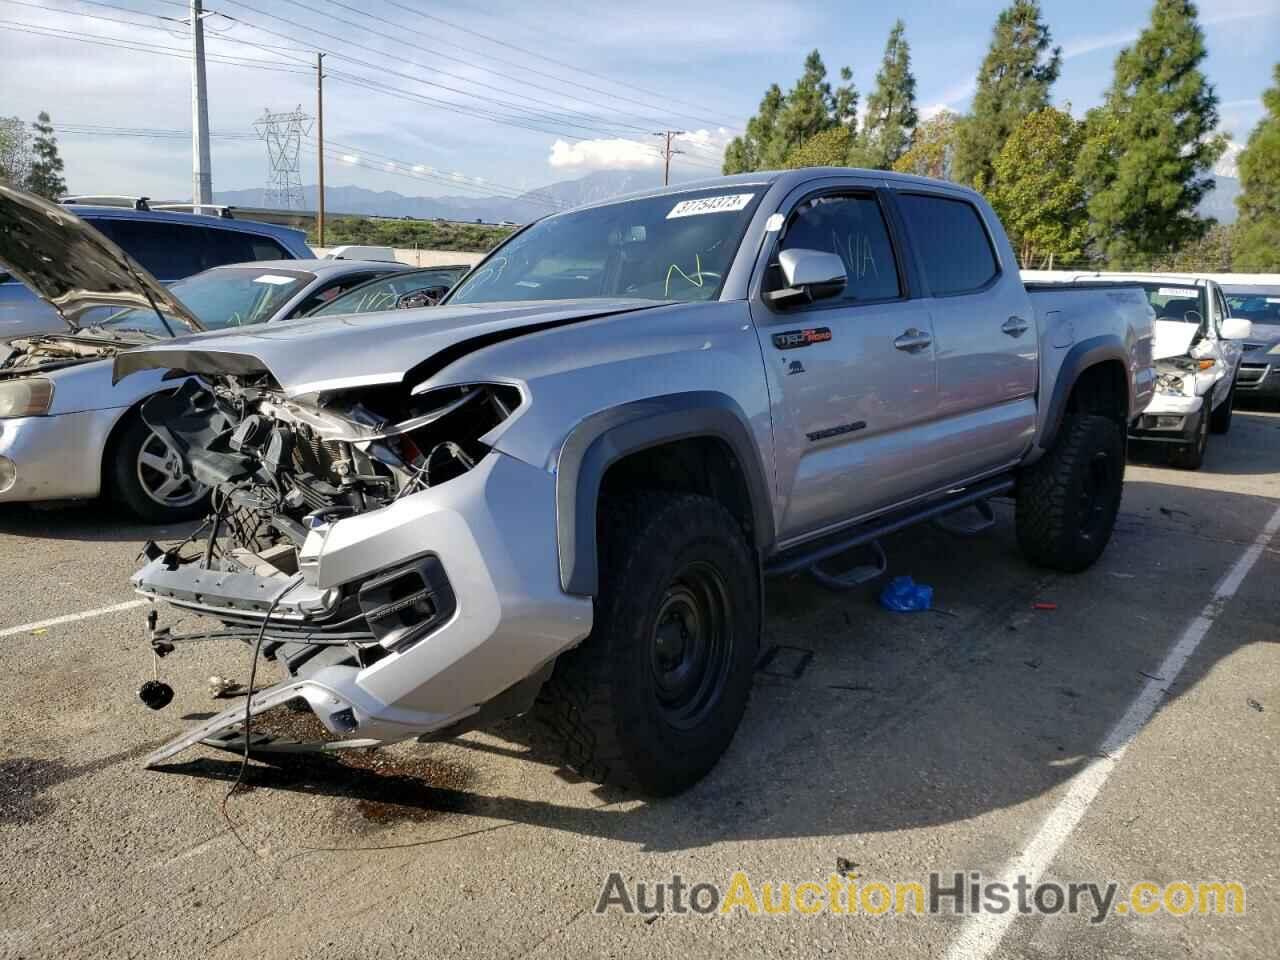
(791, 339)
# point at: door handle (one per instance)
(913, 340)
(1015, 326)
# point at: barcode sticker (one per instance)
(727, 203)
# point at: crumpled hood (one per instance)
(71, 266)
(335, 353)
(1173, 339)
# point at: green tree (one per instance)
(1150, 147)
(1215, 252)
(932, 148)
(1036, 192)
(15, 152)
(45, 177)
(891, 108)
(1013, 81)
(1258, 239)
(830, 148)
(783, 122)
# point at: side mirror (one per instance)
(1236, 328)
(811, 275)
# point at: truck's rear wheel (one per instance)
(652, 698)
(1067, 501)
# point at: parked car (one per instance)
(412, 288)
(567, 486)
(66, 432)
(1260, 363)
(1198, 349)
(169, 243)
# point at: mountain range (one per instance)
(1220, 203)
(519, 209)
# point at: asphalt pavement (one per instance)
(1121, 725)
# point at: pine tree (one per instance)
(1257, 242)
(45, 177)
(932, 148)
(784, 122)
(15, 152)
(1149, 149)
(830, 148)
(1035, 191)
(891, 109)
(1013, 81)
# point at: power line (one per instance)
(523, 81)
(559, 116)
(543, 57)
(39, 30)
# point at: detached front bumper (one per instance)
(54, 458)
(1169, 418)
(488, 538)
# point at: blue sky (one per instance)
(593, 79)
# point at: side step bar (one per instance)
(807, 555)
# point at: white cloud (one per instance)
(603, 154)
(702, 147)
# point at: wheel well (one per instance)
(1102, 389)
(113, 441)
(703, 465)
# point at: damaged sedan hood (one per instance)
(320, 354)
(1173, 338)
(73, 267)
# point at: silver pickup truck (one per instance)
(562, 489)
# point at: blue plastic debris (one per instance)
(904, 595)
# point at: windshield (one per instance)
(672, 247)
(385, 292)
(1173, 302)
(1257, 307)
(219, 298)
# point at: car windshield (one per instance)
(1258, 307)
(385, 292)
(219, 298)
(670, 247)
(1174, 302)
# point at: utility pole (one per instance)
(667, 152)
(320, 147)
(201, 170)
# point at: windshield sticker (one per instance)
(274, 279)
(1273, 299)
(1178, 292)
(774, 223)
(727, 203)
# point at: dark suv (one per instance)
(170, 243)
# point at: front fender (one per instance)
(602, 439)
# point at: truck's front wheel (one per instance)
(1068, 500)
(653, 696)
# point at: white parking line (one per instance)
(981, 932)
(71, 618)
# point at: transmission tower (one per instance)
(283, 133)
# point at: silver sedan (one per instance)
(67, 432)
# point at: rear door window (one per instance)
(169, 251)
(951, 241)
(851, 226)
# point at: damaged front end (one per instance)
(372, 544)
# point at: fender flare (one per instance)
(1079, 358)
(602, 439)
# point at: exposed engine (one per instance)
(278, 467)
(28, 355)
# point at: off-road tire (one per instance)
(1220, 421)
(1068, 499)
(603, 702)
(124, 486)
(1190, 456)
